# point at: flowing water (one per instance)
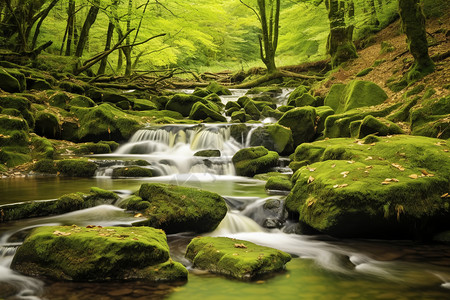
(321, 268)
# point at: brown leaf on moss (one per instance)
(311, 179)
(242, 246)
(398, 167)
(445, 195)
(60, 233)
(413, 176)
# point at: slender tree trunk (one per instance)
(41, 20)
(413, 21)
(127, 50)
(109, 35)
(268, 42)
(84, 35)
(70, 26)
(340, 40)
(373, 18)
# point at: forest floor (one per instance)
(394, 64)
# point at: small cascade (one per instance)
(234, 222)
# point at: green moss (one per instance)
(386, 47)
(235, 258)
(372, 125)
(93, 148)
(96, 254)
(323, 112)
(397, 86)
(208, 153)
(48, 125)
(239, 116)
(264, 89)
(45, 166)
(364, 72)
(142, 104)
(302, 122)
(218, 89)
(131, 172)
(274, 137)
(180, 209)
(402, 114)
(14, 156)
(333, 97)
(432, 118)
(60, 100)
(305, 100)
(76, 168)
(299, 91)
(183, 103)
(200, 111)
(347, 190)
(278, 183)
(251, 161)
(414, 91)
(8, 82)
(42, 148)
(82, 101)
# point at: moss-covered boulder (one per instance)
(302, 122)
(432, 118)
(97, 254)
(180, 209)
(14, 141)
(274, 137)
(9, 83)
(22, 104)
(183, 103)
(47, 124)
(45, 166)
(298, 92)
(323, 112)
(104, 122)
(385, 187)
(355, 94)
(112, 97)
(60, 100)
(71, 87)
(372, 125)
(305, 100)
(254, 160)
(208, 153)
(82, 101)
(132, 171)
(142, 104)
(38, 84)
(278, 183)
(76, 167)
(251, 109)
(42, 148)
(218, 89)
(235, 258)
(202, 111)
(93, 148)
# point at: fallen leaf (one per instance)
(339, 186)
(424, 172)
(369, 167)
(345, 173)
(310, 179)
(369, 158)
(138, 215)
(386, 182)
(60, 233)
(336, 186)
(240, 246)
(373, 144)
(333, 165)
(413, 176)
(445, 150)
(398, 167)
(395, 180)
(351, 161)
(311, 169)
(91, 226)
(445, 195)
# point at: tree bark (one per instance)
(41, 20)
(413, 21)
(373, 18)
(104, 61)
(70, 26)
(84, 35)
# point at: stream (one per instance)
(322, 267)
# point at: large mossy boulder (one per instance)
(235, 258)
(60, 100)
(274, 137)
(380, 127)
(384, 187)
(302, 122)
(47, 124)
(218, 89)
(355, 94)
(432, 118)
(104, 122)
(9, 83)
(97, 254)
(183, 103)
(202, 111)
(76, 167)
(254, 160)
(180, 209)
(298, 92)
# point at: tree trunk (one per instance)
(413, 21)
(109, 35)
(70, 26)
(373, 18)
(127, 50)
(340, 40)
(84, 35)
(268, 42)
(41, 20)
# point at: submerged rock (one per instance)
(76, 167)
(378, 187)
(181, 209)
(254, 160)
(235, 258)
(131, 171)
(97, 254)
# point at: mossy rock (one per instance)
(113, 97)
(9, 83)
(142, 104)
(104, 122)
(299, 91)
(269, 112)
(76, 168)
(115, 253)
(218, 89)
(272, 90)
(183, 103)
(230, 111)
(200, 111)
(254, 160)
(20, 78)
(235, 258)
(82, 101)
(364, 72)
(302, 122)
(180, 209)
(323, 112)
(403, 113)
(251, 109)
(22, 104)
(14, 138)
(432, 118)
(381, 127)
(274, 137)
(10, 123)
(390, 188)
(208, 153)
(47, 124)
(71, 87)
(278, 183)
(239, 132)
(239, 116)
(355, 94)
(38, 84)
(42, 148)
(93, 148)
(131, 172)
(201, 92)
(14, 156)
(305, 100)
(285, 108)
(45, 166)
(232, 104)
(60, 100)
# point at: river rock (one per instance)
(254, 160)
(432, 119)
(183, 103)
(201, 111)
(76, 167)
(274, 137)
(302, 122)
(47, 124)
(235, 258)
(298, 92)
(381, 187)
(131, 171)
(208, 153)
(181, 209)
(97, 254)
(218, 89)
(8, 83)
